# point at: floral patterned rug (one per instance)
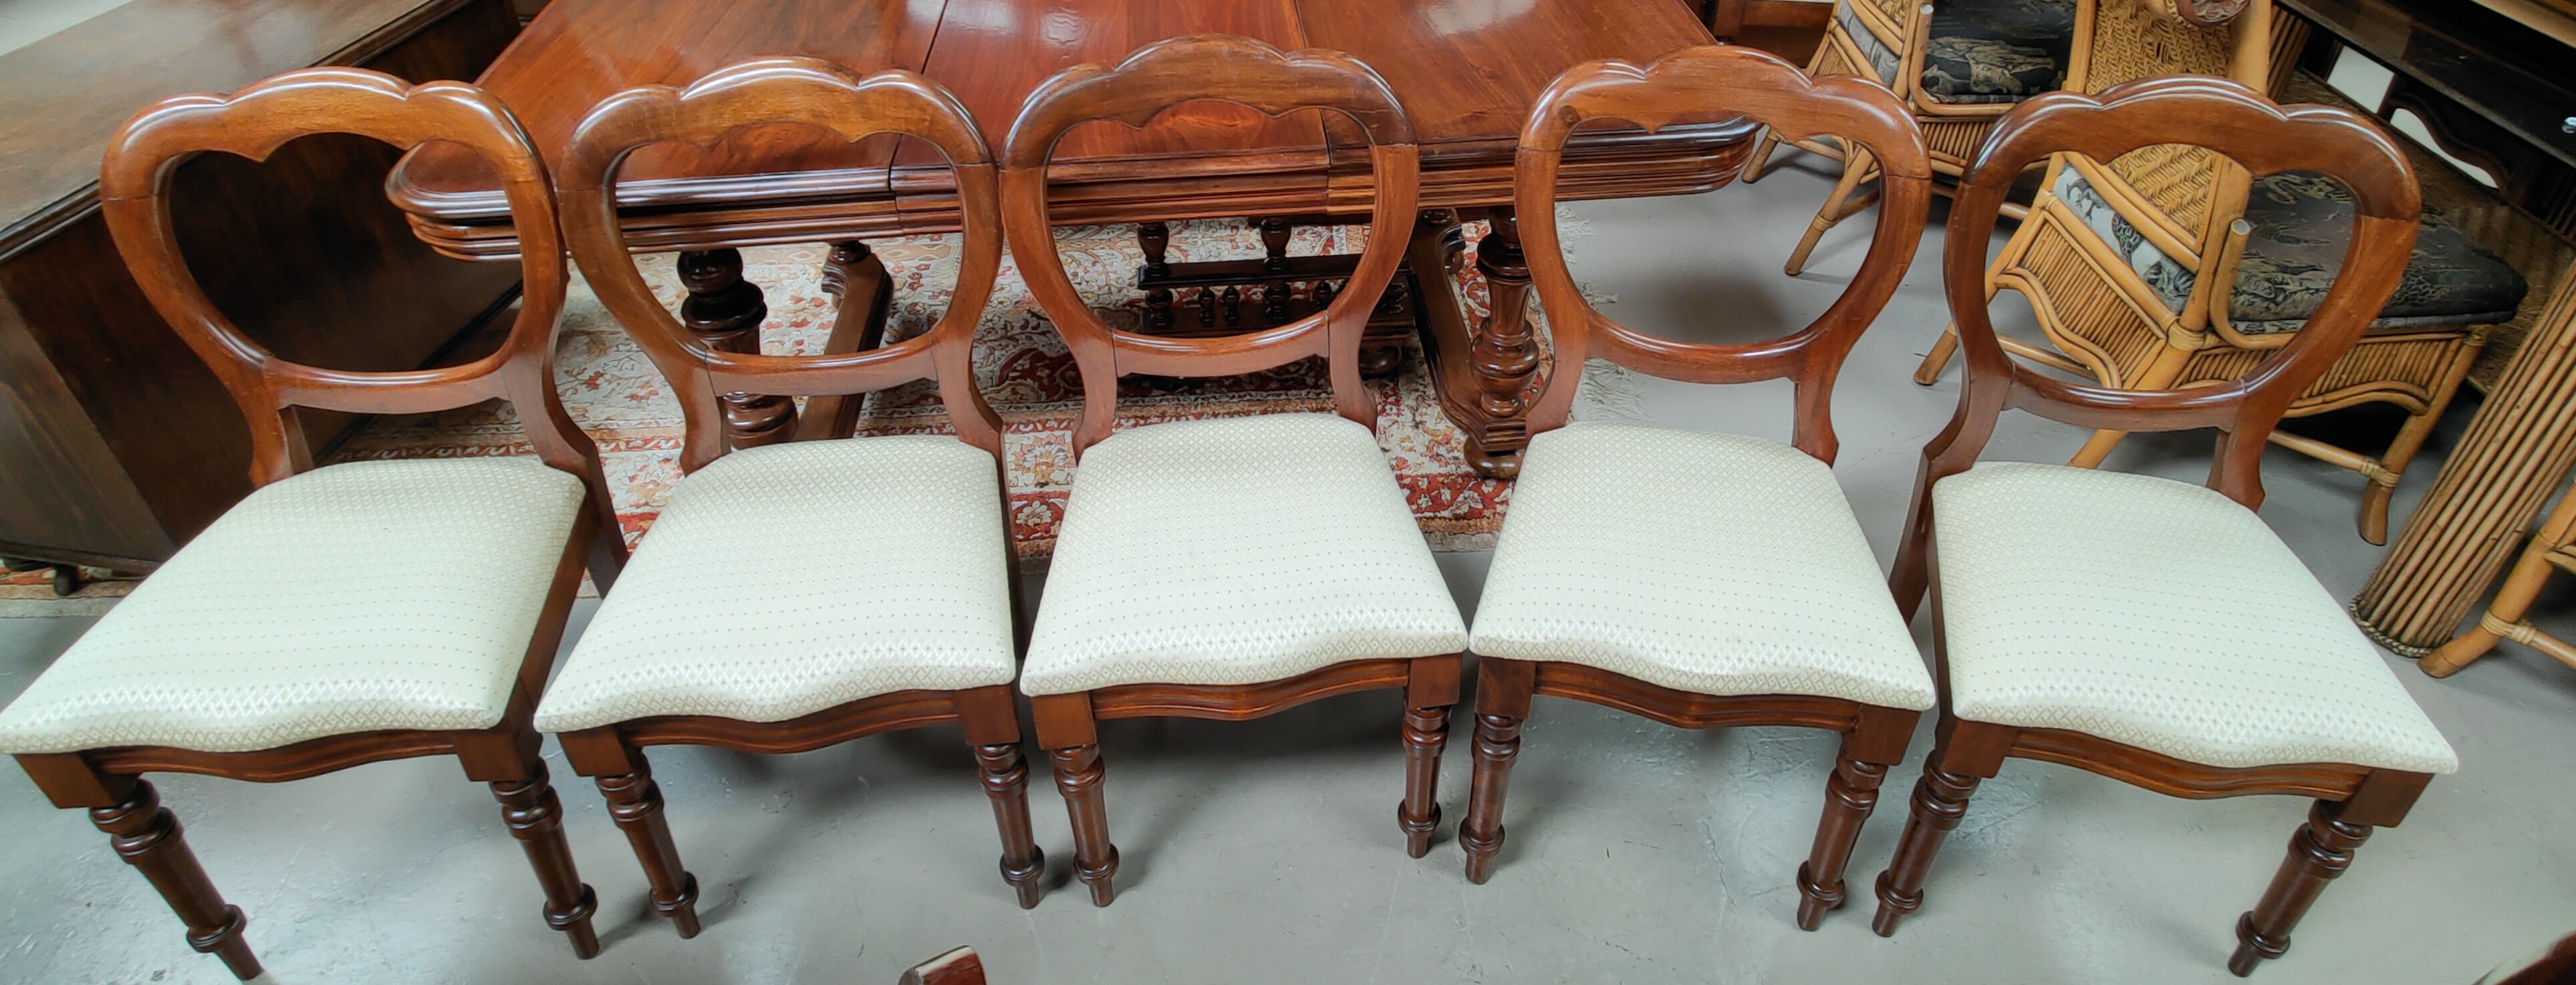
(616, 395)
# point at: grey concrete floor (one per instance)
(1268, 851)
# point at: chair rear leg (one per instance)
(147, 836)
(1856, 167)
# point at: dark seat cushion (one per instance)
(2303, 221)
(1997, 51)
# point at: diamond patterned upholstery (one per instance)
(1708, 563)
(785, 580)
(2161, 615)
(1235, 551)
(350, 598)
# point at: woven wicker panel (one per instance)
(2413, 364)
(2093, 321)
(2136, 39)
(1832, 59)
(2177, 178)
(1955, 141)
(1897, 10)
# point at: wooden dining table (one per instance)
(1466, 70)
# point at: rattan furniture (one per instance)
(2552, 549)
(352, 613)
(868, 583)
(1701, 580)
(2171, 267)
(2153, 631)
(1957, 64)
(1232, 567)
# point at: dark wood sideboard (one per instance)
(116, 445)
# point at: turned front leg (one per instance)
(635, 803)
(1851, 793)
(2319, 851)
(1940, 801)
(1006, 784)
(535, 817)
(1426, 732)
(725, 311)
(1078, 776)
(147, 836)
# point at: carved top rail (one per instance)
(1764, 88)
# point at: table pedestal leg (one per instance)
(725, 311)
(2516, 454)
(1485, 375)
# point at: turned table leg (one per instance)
(1485, 374)
(725, 311)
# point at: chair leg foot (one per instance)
(147, 836)
(1940, 801)
(1929, 372)
(1498, 748)
(535, 817)
(1006, 784)
(635, 803)
(1851, 793)
(2319, 851)
(1426, 733)
(1078, 776)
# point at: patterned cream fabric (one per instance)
(1235, 551)
(785, 580)
(351, 598)
(1707, 563)
(2160, 615)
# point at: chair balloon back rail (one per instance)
(1760, 85)
(1229, 69)
(816, 94)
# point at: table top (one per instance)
(69, 91)
(1467, 71)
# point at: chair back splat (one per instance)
(813, 93)
(1230, 69)
(2229, 118)
(1772, 91)
(134, 182)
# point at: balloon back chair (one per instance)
(2172, 267)
(1234, 567)
(1701, 580)
(351, 613)
(866, 582)
(2153, 631)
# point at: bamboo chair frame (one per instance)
(2552, 549)
(2107, 323)
(1951, 131)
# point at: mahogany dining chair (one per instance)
(2153, 631)
(1701, 580)
(351, 613)
(868, 584)
(1233, 567)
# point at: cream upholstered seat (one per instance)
(2160, 615)
(785, 580)
(1708, 563)
(351, 598)
(1235, 551)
